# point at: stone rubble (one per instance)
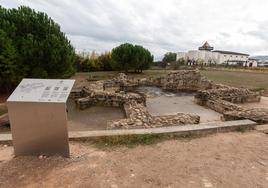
(106, 98)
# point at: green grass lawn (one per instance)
(251, 80)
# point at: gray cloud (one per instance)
(161, 26)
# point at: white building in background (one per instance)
(252, 62)
(262, 63)
(206, 54)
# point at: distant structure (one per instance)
(207, 55)
(86, 54)
(206, 46)
(262, 63)
(252, 62)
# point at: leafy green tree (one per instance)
(105, 61)
(9, 72)
(143, 58)
(42, 50)
(131, 57)
(169, 57)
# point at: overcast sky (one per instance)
(159, 25)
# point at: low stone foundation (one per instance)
(231, 94)
(116, 92)
(223, 100)
(259, 115)
(139, 117)
(108, 99)
(219, 105)
(185, 80)
(182, 80)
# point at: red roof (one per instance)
(206, 45)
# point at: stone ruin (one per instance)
(119, 92)
(225, 99)
(185, 80)
(138, 116)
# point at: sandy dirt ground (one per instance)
(93, 118)
(220, 160)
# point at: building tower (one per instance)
(206, 47)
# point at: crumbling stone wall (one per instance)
(181, 80)
(135, 108)
(185, 80)
(220, 105)
(107, 99)
(115, 92)
(139, 117)
(223, 100)
(259, 115)
(122, 83)
(231, 94)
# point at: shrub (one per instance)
(131, 57)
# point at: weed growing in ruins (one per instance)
(241, 129)
(2, 112)
(110, 142)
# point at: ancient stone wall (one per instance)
(108, 99)
(181, 80)
(185, 80)
(231, 94)
(76, 94)
(139, 117)
(223, 100)
(221, 106)
(116, 92)
(259, 115)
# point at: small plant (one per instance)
(128, 140)
(241, 129)
(135, 140)
(2, 112)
